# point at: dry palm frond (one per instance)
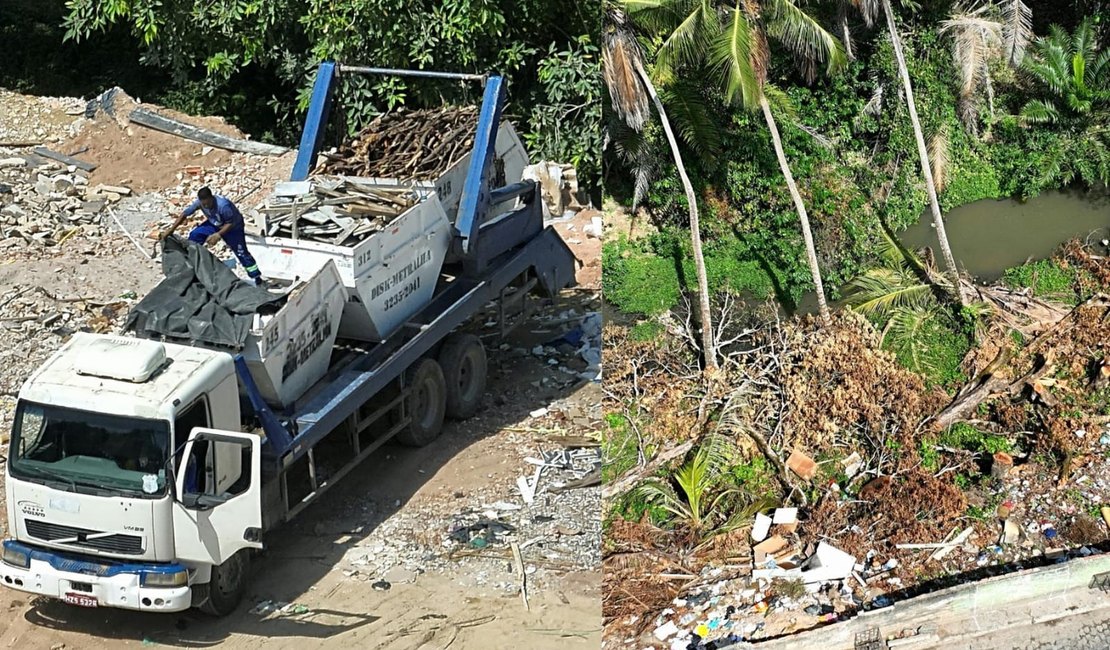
(938, 154)
(619, 60)
(976, 40)
(1017, 20)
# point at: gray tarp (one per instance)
(200, 299)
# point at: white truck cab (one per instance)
(103, 511)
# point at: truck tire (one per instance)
(463, 360)
(427, 404)
(228, 583)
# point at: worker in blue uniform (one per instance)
(222, 221)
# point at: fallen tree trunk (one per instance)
(633, 476)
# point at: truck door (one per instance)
(218, 499)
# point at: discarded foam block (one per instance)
(828, 563)
(761, 527)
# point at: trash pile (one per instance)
(337, 211)
(45, 202)
(411, 145)
(583, 339)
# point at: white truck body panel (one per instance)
(41, 514)
(389, 276)
(289, 351)
(193, 371)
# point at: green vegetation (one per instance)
(648, 276)
(702, 496)
(619, 446)
(852, 151)
(1046, 278)
(965, 436)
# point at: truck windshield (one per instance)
(87, 451)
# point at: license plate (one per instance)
(81, 600)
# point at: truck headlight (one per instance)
(175, 579)
(16, 557)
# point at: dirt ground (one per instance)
(396, 517)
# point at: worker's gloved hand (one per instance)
(212, 239)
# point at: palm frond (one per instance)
(938, 155)
(976, 40)
(732, 53)
(905, 332)
(1100, 69)
(803, 35)
(693, 119)
(780, 102)
(879, 291)
(620, 56)
(1039, 111)
(1017, 21)
(663, 495)
(875, 104)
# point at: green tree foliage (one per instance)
(214, 48)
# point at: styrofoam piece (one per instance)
(785, 516)
(761, 527)
(828, 563)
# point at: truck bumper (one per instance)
(93, 582)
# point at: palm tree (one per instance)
(870, 10)
(1075, 74)
(733, 38)
(630, 87)
(980, 35)
(708, 504)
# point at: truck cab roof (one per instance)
(123, 375)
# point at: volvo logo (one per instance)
(31, 509)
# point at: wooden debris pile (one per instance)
(410, 145)
(338, 211)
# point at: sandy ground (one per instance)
(400, 499)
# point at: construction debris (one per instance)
(332, 210)
(410, 145)
(43, 202)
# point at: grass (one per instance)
(619, 447)
(964, 436)
(1046, 278)
(755, 477)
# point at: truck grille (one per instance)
(113, 543)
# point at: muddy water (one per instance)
(989, 237)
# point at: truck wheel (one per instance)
(463, 360)
(426, 404)
(226, 587)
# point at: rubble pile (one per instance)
(336, 211)
(44, 202)
(411, 145)
(28, 120)
(34, 322)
